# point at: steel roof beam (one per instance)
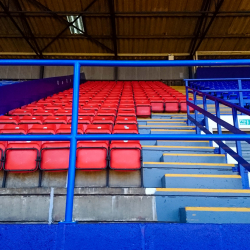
(29, 31)
(61, 19)
(18, 28)
(201, 22)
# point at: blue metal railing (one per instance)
(240, 90)
(73, 137)
(244, 166)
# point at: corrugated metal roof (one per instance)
(142, 27)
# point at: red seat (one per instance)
(42, 129)
(104, 120)
(66, 129)
(21, 112)
(92, 155)
(90, 112)
(126, 113)
(56, 120)
(43, 112)
(126, 120)
(183, 107)
(63, 112)
(98, 129)
(9, 120)
(125, 155)
(157, 105)
(128, 107)
(90, 107)
(143, 108)
(105, 112)
(172, 106)
(14, 129)
(22, 156)
(53, 107)
(125, 129)
(109, 107)
(83, 120)
(55, 156)
(3, 145)
(30, 120)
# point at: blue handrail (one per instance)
(243, 165)
(73, 137)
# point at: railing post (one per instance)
(243, 171)
(188, 109)
(205, 117)
(196, 112)
(217, 111)
(73, 145)
(240, 93)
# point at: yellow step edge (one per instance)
(158, 119)
(204, 176)
(180, 141)
(197, 190)
(212, 155)
(219, 209)
(152, 146)
(190, 164)
(162, 119)
(177, 114)
(173, 130)
(167, 122)
(165, 126)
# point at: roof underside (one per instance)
(124, 29)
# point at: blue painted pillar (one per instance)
(73, 145)
(243, 171)
(188, 109)
(217, 110)
(196, 112)
(205, 117)
(240, 94)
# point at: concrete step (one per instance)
(165, 126)
(172, 131)
(170, 124)
(194, 158)
(201, 181)
(168, 115)
(152, 174)
(169, 200)
(179, 148)
(183, 143)
(189, 165)
(146, 142)
(215, 215)
(160, 153)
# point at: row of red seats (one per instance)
(142, 98)
(29, 120)
(54, 156)
(66, 129)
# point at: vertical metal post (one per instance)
(243, 171)
(196, 112)
(188, 109)
(217, 110)
(240, 94)
(73, 145)
(205, 117)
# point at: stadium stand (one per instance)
(179, 168)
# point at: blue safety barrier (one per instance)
(234, 90)
(73, 137)
(14, 96)
(244, 166)
(222, 72)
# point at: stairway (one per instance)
(193, 183)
